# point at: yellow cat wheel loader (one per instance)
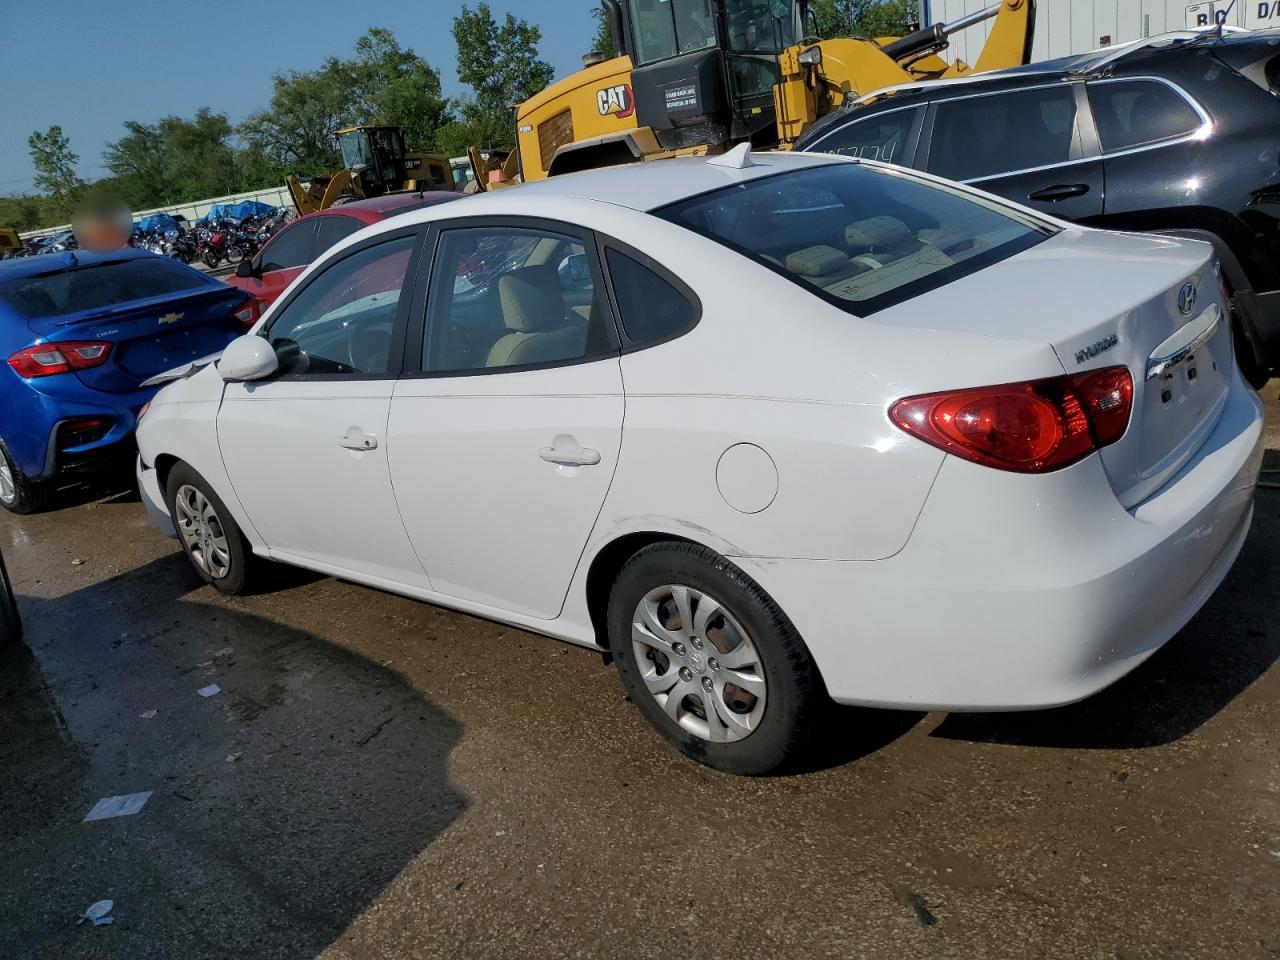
(375, 163)
(701, 76)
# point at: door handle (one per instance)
(581, 457)
(358, 441)
(1060, 191)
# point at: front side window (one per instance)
(289, 248)
(991, 135)
(511, 297)
(1132, 113)
(668, 28)
(859, 237)
(881, 137)
(342, 321)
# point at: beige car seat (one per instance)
(538, 329)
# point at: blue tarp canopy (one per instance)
(157, 221)
(238, 211)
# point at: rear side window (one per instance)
(333, 229)
(1132, 113)
(289, 248)
(860, 237)
(652, 309)
(881, 137)
(98, 286)
(986, 136)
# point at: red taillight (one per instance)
(46, 359)
(1028, 427)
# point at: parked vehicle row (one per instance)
(863, 457)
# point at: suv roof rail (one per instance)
(1087, 64)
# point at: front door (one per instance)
(1026, 145)
(503, 446)
(307, 450)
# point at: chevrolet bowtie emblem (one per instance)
(171, 318)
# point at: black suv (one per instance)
(1178, 134)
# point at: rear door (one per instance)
(1032, 145)
(504, 442)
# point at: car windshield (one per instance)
(98, 286)
(862, 238)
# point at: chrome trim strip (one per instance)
(1175, 350)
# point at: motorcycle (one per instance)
(219, 241)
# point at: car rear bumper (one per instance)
(153, 498)
(1019, 592)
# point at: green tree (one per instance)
(501, 66)
(137, 164)
(175, 160)
(864, 18)
(383, 83)
(603, 42)
(55, 165)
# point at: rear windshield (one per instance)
(98, 286)
(860, 237)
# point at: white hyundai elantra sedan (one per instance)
(771, 430)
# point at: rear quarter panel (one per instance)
(773, 366)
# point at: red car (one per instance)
(292, 249)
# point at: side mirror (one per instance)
(248, 358)
(574, 271)
(246, 269)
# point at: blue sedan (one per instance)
(82, 333)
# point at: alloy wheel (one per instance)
(202, 532)
(8, 487)
(698, 663)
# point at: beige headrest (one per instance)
(876, 233)
(528, 306)
(817, 261)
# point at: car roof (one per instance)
(656, 183)
(54, 262)
(377, 209)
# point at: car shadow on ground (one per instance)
(281, 806)
(1232, 641)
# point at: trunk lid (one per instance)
(1105, 299)
(151, 336)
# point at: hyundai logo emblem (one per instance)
(1187, 299)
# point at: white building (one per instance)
(1064, 27)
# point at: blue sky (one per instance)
(89, 65)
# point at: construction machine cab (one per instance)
(375, 156)
(704, 70)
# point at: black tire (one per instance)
(244, 571)
(210, 260)
(795, 698)
(29, 496)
